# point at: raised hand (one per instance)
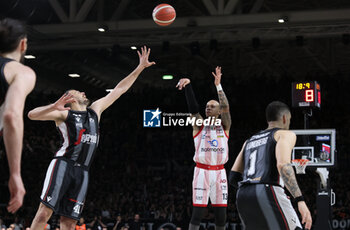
(144, 57)
(217, 75)
(17, 193)
(182, 83)
(65, 99)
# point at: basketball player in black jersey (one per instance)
(16, 82)
(67, 177)
(265, 161)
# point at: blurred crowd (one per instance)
(143, 175)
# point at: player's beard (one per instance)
(86, 102)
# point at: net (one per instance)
(300, 165)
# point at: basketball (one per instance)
(164, 14)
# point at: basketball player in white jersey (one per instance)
(211, 153)
(16, 82)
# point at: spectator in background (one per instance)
(17, 225)
(97, 224)
(136, 224)
(119, 223)
(2, 224)
(81, 224)
(12, 227)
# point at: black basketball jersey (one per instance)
(259, 157)
(79, 136)
(3, 83)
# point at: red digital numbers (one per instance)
(309, 95)
(319, 97)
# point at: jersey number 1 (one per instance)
(252, 162)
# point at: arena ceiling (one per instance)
(242, 36)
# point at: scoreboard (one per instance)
(306, 94)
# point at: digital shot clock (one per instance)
(306, 94)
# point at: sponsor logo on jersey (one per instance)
(199, 197)
(77, 117)
(89, 139)
(213, 149)
(223, 187)
(49, 198)
(86, 138)
(200, 189)
(213, 143)
(223, 181)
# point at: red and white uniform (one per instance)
(209, 178)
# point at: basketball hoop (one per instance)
(300, 165)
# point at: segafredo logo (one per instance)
(157, 118)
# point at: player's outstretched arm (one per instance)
(224, 105)
(21, 85)
(100, 105)
(285, 143)
(193, 107)
(53, 112)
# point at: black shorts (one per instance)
(263, 206)
(65, 188)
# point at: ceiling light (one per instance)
(102, 28)
(283, 19)
(74, 75)
(29, 56)
(109, 90)
(133, 47)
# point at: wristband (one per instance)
(219, 87)
(234, 178)
(299, 198)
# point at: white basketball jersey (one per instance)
(211, 146)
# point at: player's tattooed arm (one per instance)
(224, 105)
(225, 110)
(285, 143)
(289, 179)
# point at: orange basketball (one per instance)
(164, 14)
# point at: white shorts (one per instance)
(209, 184)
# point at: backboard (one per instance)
(316, 145)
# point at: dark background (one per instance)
(149, 170)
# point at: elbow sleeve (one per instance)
(192, 103)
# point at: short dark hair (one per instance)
(274, 110)
(11, 33)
